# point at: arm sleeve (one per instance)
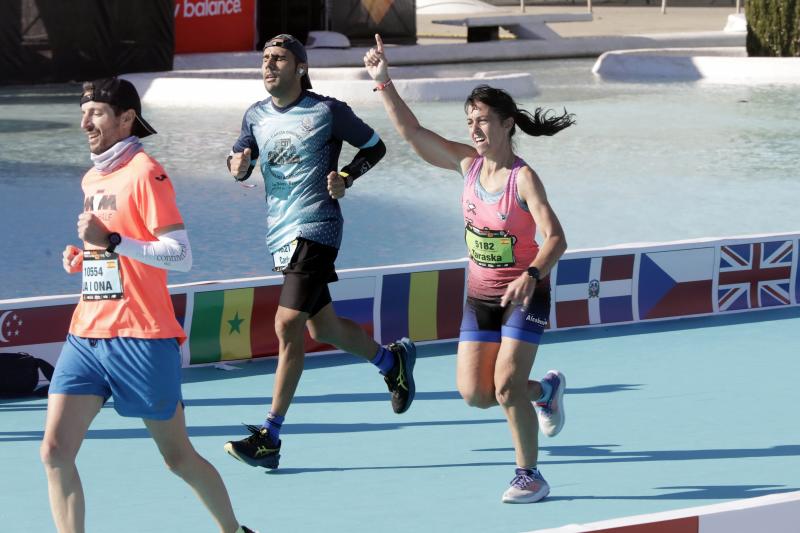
(365, 159)
(171, 251)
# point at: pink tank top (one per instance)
(500, 235)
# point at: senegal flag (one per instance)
(233, 324)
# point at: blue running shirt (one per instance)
(298, 145)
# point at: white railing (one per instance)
(663, 6)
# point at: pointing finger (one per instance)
(379, 43)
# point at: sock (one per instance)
(273, 424)
(547, 391)
(384, 360)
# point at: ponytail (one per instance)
(542, 122)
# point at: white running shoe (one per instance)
(551, 413)
(528, 486)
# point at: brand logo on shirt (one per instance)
(502, 216)
(284, 153)
(162, 177)
(100, 202)
(307, 125)
(471, 208)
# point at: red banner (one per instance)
(214, 25)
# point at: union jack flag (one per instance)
(755, 275)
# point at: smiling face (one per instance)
(103, 127)
(489, 134)
(279, 70)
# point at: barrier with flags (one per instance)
(234, 319)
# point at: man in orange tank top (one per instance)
(124, 338)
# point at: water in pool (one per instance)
(645, 163)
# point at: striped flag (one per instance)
(34, 325)
(422, 305)
(234, 324)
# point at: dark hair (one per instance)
(541, 122)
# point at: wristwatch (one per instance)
(114, 239)
(534, 273)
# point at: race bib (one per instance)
(489, 248)
(284, 254)
(102, 277)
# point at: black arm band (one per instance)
(249, 170)
(365, 159)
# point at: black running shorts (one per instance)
(306, 277)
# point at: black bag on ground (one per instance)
(19, 374)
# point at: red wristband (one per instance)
(382, 86)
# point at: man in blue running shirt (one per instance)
(297, 136)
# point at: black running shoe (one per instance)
(400, 378)
(257, 449)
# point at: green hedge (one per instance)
(773, 27)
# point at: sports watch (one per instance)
(114, 239)
(534, 273)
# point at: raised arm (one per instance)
(430, 146)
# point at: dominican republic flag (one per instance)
(755, 275)
(676, 283)
(594, 290)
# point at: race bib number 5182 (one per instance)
(489, 248)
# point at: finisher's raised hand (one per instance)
(375, 62)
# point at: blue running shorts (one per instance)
(143, 375)
(488, 321)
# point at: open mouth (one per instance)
(478, 138)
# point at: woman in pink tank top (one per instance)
(508, 296)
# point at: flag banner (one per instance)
(422, 305)
(34, 325)
(797, 278)
(594, 290)
(239, 323)
(675, 283)
(233, 324)
(754, 275)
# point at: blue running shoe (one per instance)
(528, 486)
(400, 378)
(551, 413)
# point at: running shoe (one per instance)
(551, 413)
(257, 449)
(528, 486)
(400, 378)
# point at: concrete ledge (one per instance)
(241, 87)
(505, 50)
(721, 65)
